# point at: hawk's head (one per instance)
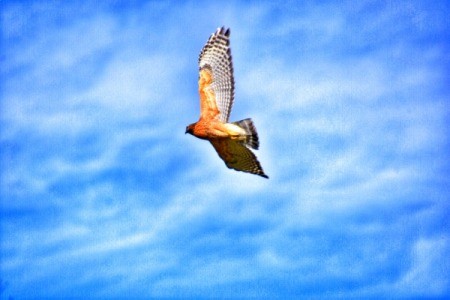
(190, 128)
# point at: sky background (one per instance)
(103, 195)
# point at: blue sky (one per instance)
(103, 195)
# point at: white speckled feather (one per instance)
(216, 55)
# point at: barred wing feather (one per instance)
(216, 56)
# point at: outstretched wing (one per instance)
(238, 157)
(216, 83)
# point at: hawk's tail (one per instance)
(251, 136)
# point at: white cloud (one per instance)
(137, 86)
(427, 274)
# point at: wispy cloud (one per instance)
(428, 266)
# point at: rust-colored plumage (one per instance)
(216, 89)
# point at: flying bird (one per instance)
(216, 88)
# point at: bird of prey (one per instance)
(216, 88)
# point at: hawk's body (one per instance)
(216, 89)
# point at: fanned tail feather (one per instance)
(251, 137)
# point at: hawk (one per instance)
(216, 88)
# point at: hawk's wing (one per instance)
(238, 157)
(217, 93)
